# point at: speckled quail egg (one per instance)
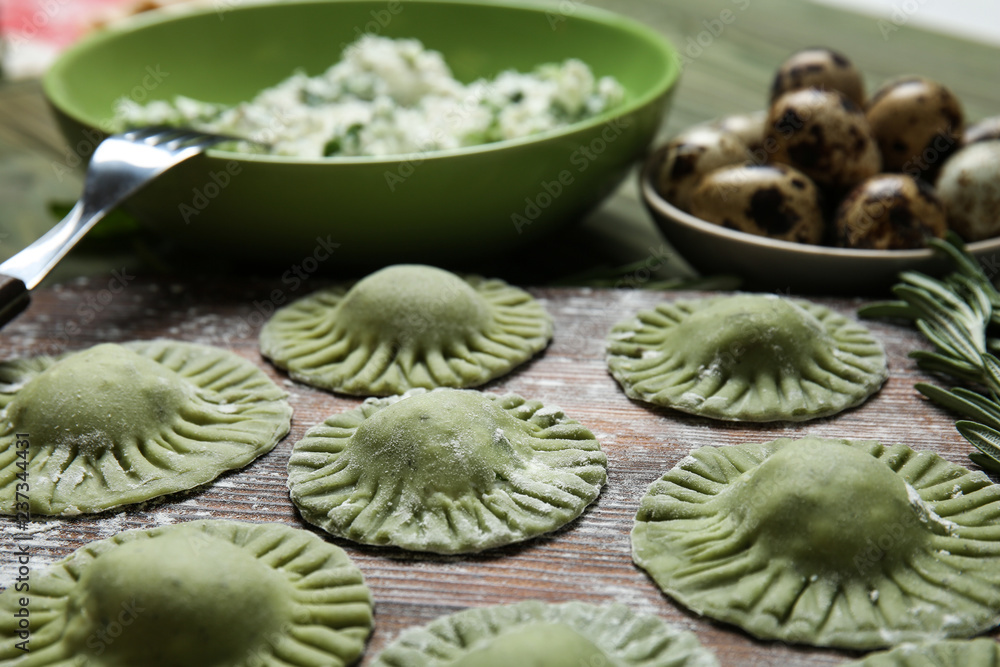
(819, 68)
(969, 186)
(889, 212)
(824, 135)
(692, 154)
(917, 123)
(772, 200)
(984, 130)
(749, 127)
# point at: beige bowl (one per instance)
(787, 267)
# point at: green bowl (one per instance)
(437, 206)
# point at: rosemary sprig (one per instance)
(955, 315)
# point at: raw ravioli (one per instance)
(198, 594)
(982, 652)
(406, 326)
(747, 357)
(843, 543)
(121, 423)
(446, 471)
(535, 634)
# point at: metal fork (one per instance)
(120, 166)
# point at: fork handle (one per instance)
(13, 298)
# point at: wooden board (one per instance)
(588, 560)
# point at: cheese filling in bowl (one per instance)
(440, 206)
(390, 96)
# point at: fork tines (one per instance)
(174, 138)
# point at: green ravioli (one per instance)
(406, 326)
(122, 423)
(535, 634)
(196, 594)
(747, 357)
(843, 543)
(982, 652)
(446, 471)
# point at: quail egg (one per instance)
(969, 186)
(824, 135)
(889, 212)
(749, 127)
(917, 123)
(819, 68)
(691, 155)
(772, 200)
(984, 130)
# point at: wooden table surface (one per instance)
(587, 560)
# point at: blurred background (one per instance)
(727, 70)
(34, 31)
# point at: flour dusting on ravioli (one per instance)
(445, 471)
(844, 543)
(199, 594)
(747, 357)
(403, 327)
(121, 423)
(535, 634)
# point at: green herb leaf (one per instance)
(946, 340)
(935, 288)
(898, 309)
(989, 406)
(983, 438)
(976, 408)
(954, 248)
(991, 366)
(976, 296)
(954, 315)
(934, 362)
(985, 462)
(961, 323)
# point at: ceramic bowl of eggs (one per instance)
(829, 189)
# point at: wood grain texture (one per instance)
(588, 560)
